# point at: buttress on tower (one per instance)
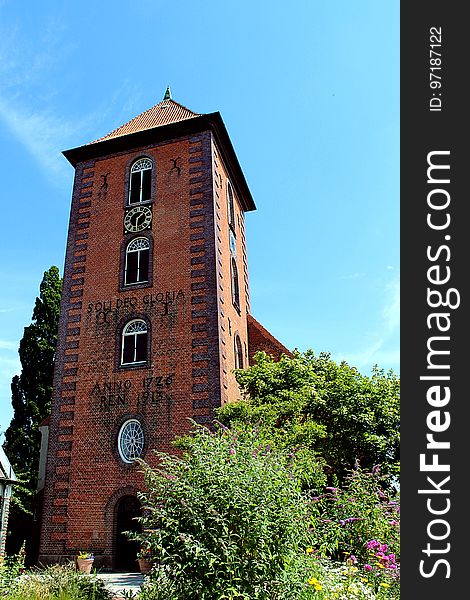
(155, 316)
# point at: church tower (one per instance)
(154, 318)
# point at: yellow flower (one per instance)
(364, 580)
(318, 587)
(313, 581)
(380, 565)
(354, 569)
(309, 550)
(385, 585)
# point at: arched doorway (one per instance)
(125, 557)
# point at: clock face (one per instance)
(138, 218)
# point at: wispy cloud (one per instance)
(8, 345)
(381, 350)
(356, 275)
(391, 309)
(28, 106)
(43, 135)
(11, 309)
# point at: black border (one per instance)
(424, 131)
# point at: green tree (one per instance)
(314, 403)
(31, 402)
(222, 520)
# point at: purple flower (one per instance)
(367, 567)
(331, 489)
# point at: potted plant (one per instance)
(144, 558)
(85, 562)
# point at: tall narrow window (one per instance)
(238, 352)
(140, 185)
(137, 261)
(235, 286)
(230, 207)
(134, 343)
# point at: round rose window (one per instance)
(130, 440)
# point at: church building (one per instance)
(155, 317)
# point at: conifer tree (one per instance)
(31, 403)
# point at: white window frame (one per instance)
(126, 333)
(140, 243)
(140, 165)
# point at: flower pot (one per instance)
(145, 566)
(84, 565)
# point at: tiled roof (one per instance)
(165, 112)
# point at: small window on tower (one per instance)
(230, 207)
(238, 352)
(140, 185)
(134, 343)
(235, 285)
(137, 261)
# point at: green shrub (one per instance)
(10, 568)
(58, 582)
(332, 409)
(223, 520)
(360, 524)
(345, 519)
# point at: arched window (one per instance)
(131, 440)
(140, 185)
(137, 261)
(235, 286)
(238, 352)
(230, 206)
(134, 343)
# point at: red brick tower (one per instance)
(153, 321)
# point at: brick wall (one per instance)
(191, 320)
(93, 394)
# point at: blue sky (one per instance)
(309, 92)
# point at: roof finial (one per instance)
(167, 95)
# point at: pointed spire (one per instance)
(167, 95)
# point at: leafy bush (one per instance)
(360, 523)
(312, 402)
(223, 520)
(346, 518)
(11, 567)
(58, 582)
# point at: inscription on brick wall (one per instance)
(105, 311)
(108, 396)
